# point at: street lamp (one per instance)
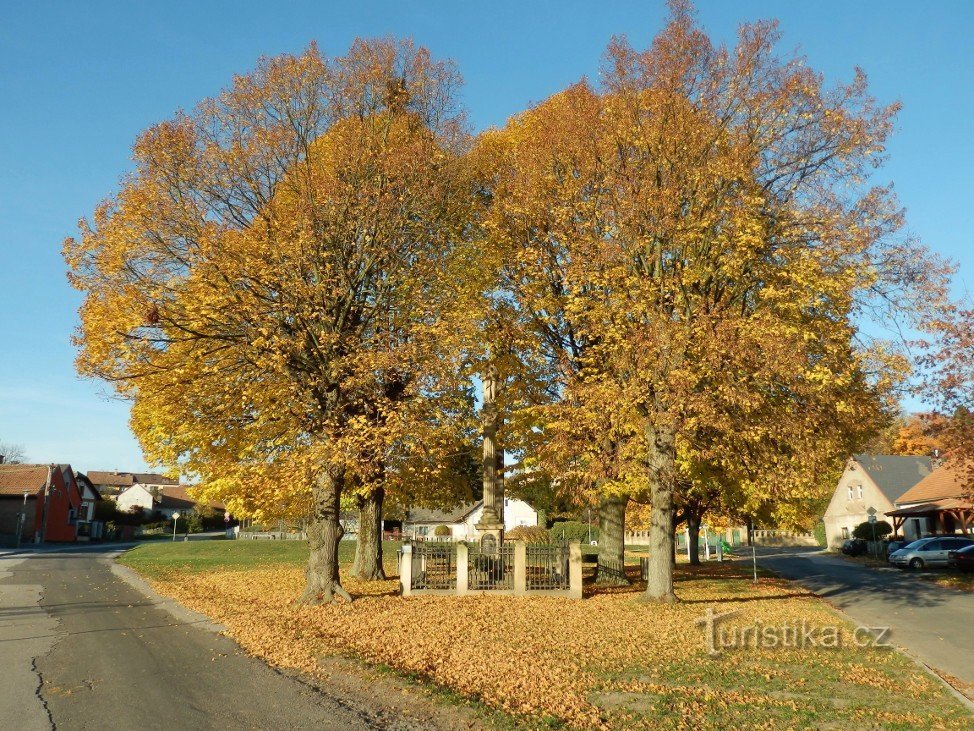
(175, 520)
(22, 519)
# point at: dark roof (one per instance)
(151, 478)
(16, 479)
(82, 479)
(125, 479)
(893, 474)
(454, 515)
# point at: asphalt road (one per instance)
(83, 649)
(934, 624)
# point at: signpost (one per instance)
(175, 520)
(872, 521)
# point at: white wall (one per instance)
(135, 496)
(846, 511)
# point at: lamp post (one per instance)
(22, 519)
(175, 520)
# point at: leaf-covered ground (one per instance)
(606, 662)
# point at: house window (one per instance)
(845, 533)
(849, 490)
(72, 516)
(859, 491)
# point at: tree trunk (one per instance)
(368, 549)
(693, 537)
(610, 569)
(324, 533)
(661, 466)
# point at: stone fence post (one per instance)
(575, 570)
(406, 569)
(462, 568)
(520, 568)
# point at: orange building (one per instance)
(41, 502)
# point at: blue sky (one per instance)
(78, 81)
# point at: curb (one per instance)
(968, 703)
(177, 610)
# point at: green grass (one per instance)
(157, 560)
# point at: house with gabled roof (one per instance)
(112, 484)
(870, 481)
(941, 503)
(39, 503)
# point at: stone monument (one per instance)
(491, 523)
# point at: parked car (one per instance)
(894, 546)
(927, 552)
(962, 558)
(854, 547)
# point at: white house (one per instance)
(462, 520)
(135, 496)
(165, 499)
(870, 481)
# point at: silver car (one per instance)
(927, 552)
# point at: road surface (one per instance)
(934, 624)
(83, 649)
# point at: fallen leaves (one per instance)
(605, 662)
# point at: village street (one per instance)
(933, 623)
(83, 649)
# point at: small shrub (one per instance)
(865, 531)
(819, 533)
(573, 530)
(529, 534)
(442, 531)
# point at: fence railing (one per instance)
(433, 566)
(547, 567)
(513, 568)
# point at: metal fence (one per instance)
(611, 568)
(486, 571)
(546, 566)
(434, 566)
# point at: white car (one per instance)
(927, 552)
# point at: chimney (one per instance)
(935, 459)
(2, 458)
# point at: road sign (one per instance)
(871, 512)
(872, 518)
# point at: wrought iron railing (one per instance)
(546, 567)
(434, 566)
(491, 570)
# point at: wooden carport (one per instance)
(947, 514)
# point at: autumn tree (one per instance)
(269, 285)
(947, 360)
(704, 222)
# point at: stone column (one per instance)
(520, 568)
(575, 570)
(491, 525)
(406, 569)
(462, 569)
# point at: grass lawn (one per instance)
(175, 558)
(609, 661)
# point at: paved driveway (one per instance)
(82, 649)
(933, 623)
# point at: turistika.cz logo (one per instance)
(797, 635)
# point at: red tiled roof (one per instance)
(943, 482)
(16, 479)
(115, 479)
